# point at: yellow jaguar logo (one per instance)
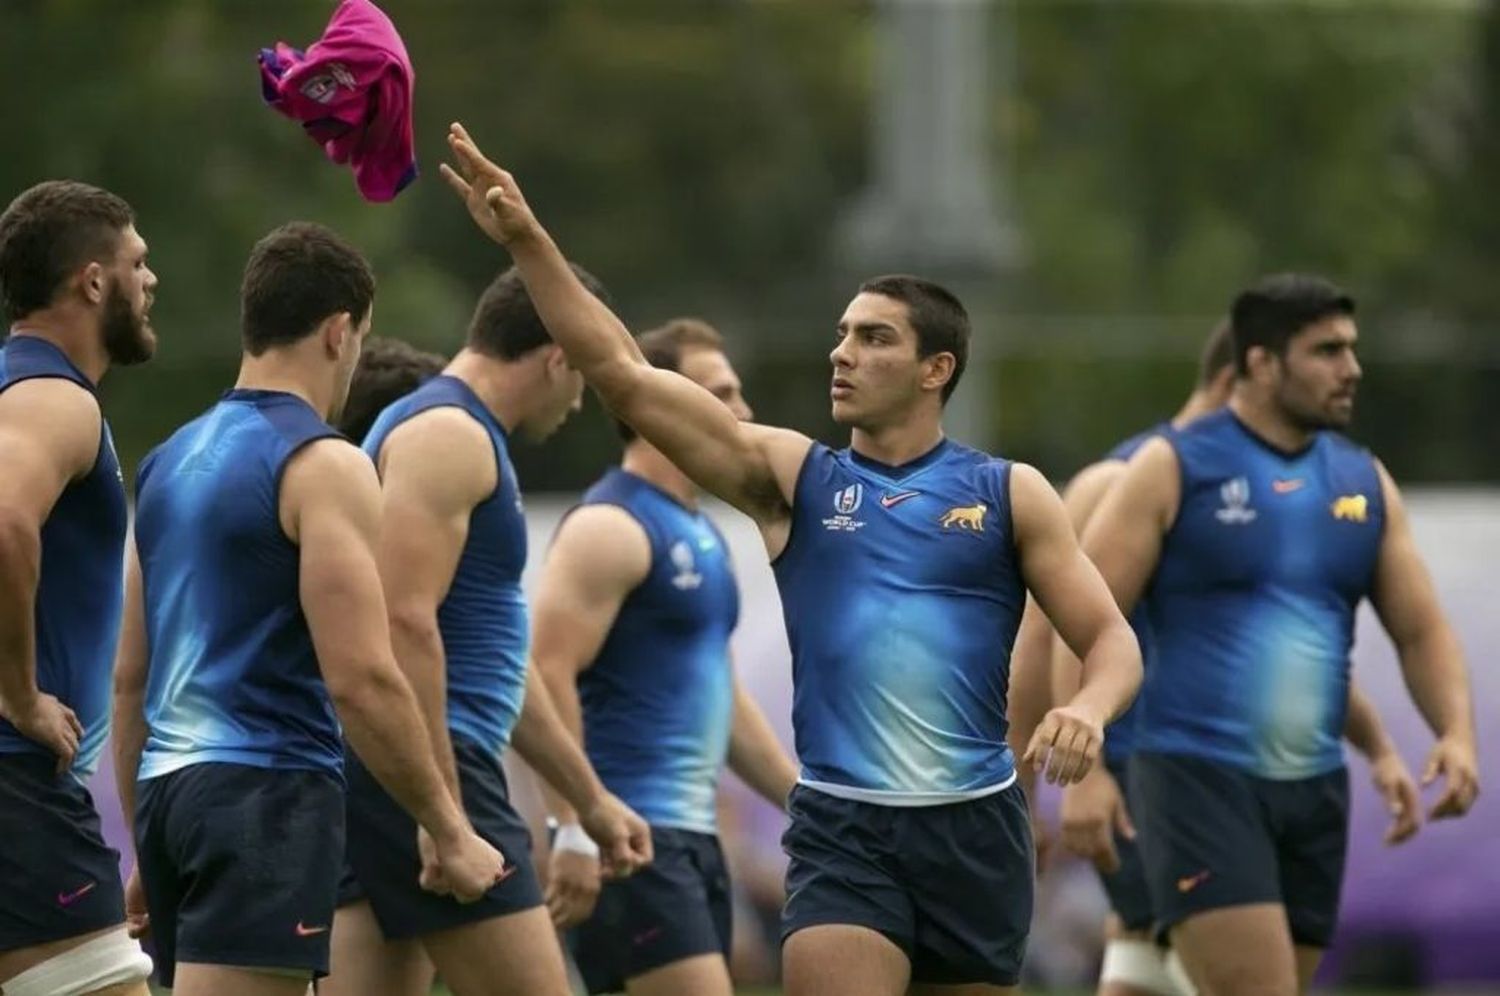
(1351, 508)
(966, 517)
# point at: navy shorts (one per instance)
(1128, 896)
(385, 866)
(240, 865)
(1214, 836)
(60, 879)
(676, 907)
(951, 885)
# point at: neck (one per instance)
(1266, 421)
(647, 462)
(505, 388)
(76, 335)
(1198, 404)
(283, 370)
(899, 442)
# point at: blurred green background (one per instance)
(707, 157)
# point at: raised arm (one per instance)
(1432, 661)
(330, 507)
(752, 467)
(1068, 588)
(434, 469)
(600, 554)
(49, 436)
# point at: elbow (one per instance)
(20, 535)
(359, 689)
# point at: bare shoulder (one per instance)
(1033, 500)
(333, 475)
(605, 539)
(441, 446)
(55, 411)
(785, 451)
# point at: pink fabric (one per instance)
(352, 92)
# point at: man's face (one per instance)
(1318, 375)
(876, 371)
(125, 322)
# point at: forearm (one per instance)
(419, 652)
(385, 728)
(1363, 728)
(591, 334)
(552, 751)
(20, 568)
(1111, 673)
(128, 733)
(563, 692)
(757, 756)
(1434, 670)
(1029, 689)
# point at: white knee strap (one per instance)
(107, 960)
(1140, 965)
(1179, 974)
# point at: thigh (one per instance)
(255, 856)
(1313, 818)
(194, 979)
(674, 909)
(363, 961)
(1129, 897)
(1238, 950)
(701, 975)
(841, 871)
(62, 882)
(382, 851)
(968, 868)
(1205, 842)
(513, 955)
(843, 960)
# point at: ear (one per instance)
(93, 283)
(1263, 364)
(940, 368)
(556, 362)
(336, 330)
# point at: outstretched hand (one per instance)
(489, 192)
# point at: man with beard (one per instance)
(1251, 536)
(253, 611)
(76, 290)
(903, 563)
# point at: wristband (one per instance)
(570, 837)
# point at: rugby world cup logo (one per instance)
(847, 501)
(1235, 494)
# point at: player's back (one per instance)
(483, 617)
(658, 699)
(232, 674)
(902, 592)
(1252, 606)
(81, 583)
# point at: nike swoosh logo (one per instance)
(69, 898)
(306, 931)
(1286, 487)
(892, 500)
(646, 936)
(1190, 882)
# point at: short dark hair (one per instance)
(49, 232)
(388, 370)
(1273, 310)
(937, 315)
(665, 345)
(297, 277)
(1218, 353)
(505, 323)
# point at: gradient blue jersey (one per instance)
(1119, 736)
(232, 676)
(902, 594)
(483, 618)
(659, 698)
(1253, 602)
(81, 583)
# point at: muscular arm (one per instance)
(128, 730)
(49, 436)
(755, 754)
(599, 556)
(330, 502)
(1432, 661)
(434, 469)
(1363, 728)
(1124, 535)
(752, 467)
(1068, 588)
